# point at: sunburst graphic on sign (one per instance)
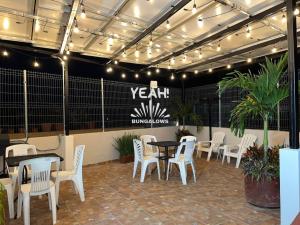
(144, 111)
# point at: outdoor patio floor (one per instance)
(113, 197)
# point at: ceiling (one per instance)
(150, 32)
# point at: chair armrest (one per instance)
(202, 142)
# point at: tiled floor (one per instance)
(113, 197)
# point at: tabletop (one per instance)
(165, 143)
(13, 161)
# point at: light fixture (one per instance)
(76, 29)
(228, 66)
(150, 41)
(229, 37)
(123, 75)
(168, 24)
(36, 64)
(200, 55)
(169, 67)
(249, 60)
(37, 26)
(149, 73)
(5, 53)
(219, 47)
(248, 33)
(184, 58)
(218, 11)
(274, 50)
(71, 44)
(194, 9)
(109, 69)
(65, 57)
(173, 61)
(283, 19)
(110, 41)
(136, 75)
(157, 70)
(82, 14)
(200, 22)
(210, 70)
(196, 72)
(172, 77)
(137, 53)
(5, 23)
(157, 50)
(296, 12)
(68, 52)
(124, 24)
(124, 54)
(183, 76)
(115, 62)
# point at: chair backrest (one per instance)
(40, 173)
(138, 150)
(247, 141)
(20, 149)
(78, 159)
(218, 137)
(188, 138)
(145, 139)
(189, 147)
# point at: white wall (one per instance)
(275, 137)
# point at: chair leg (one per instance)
(143, 171)
(168, 170)
(79, 185)
(57, 183)
(223, 158)
(53, 203)
(194, 171)
(10, 198)
(209, 155)
(228, 159)
(20, 204)
(182, 173)
(26, 208)
(135, 165)
(14, 183)
(199, 154)
(49, 201)
(238, 160)
(158, 170)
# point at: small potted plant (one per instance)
(124, 145)
(263, 93)
(183, 112)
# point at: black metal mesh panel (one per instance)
(11, 101)
(45, 102)
(85, 103)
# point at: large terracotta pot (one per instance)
(262, 193)
(126, 158)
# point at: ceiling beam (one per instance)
(68, 29)
(94, 38)
(153, 26)
(224, 32)
(35, 9)
(254, 47)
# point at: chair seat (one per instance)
(180, 159)
(25, 188)
(5, 181)
(63, 174)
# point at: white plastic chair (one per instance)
(238, 151)
(188, 138)
(149, 149)
(182, 160)
(74, 175)
(144, 160)
(18, 150)
(212, 145)
(40, 184)
(7, 183)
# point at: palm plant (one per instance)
(183, 112)
(264, 93)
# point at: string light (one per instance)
(283, 19)
(109, 69)
(82, 15)
(5, 53)
(296, 12)
(173, 61)
(65, 57)
(183, 76)
(150, 42)
(200, 22)
(172, 77)
(184, 58)
(123, 75)
(210, 70)
(76, 29)
(219, 47)
(274, 50)
(149, 73)
(248, 33)
(124, 54)
(229, 37)
(116, 62)
(137, 53)
(196, 72)
(110, 41)
(68, 52)
(36, 64)
(157, 70)
(169, 67)
(168, 24)
(71, 44)
(5, 23)
(194, 9)
(249, 60)
(228, 66)
(37, 26)
(136, 75)
(200, 55)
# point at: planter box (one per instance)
(262, 193)
(126, 158)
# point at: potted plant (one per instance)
(263, 93)
(183, 112)
(124, 145)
